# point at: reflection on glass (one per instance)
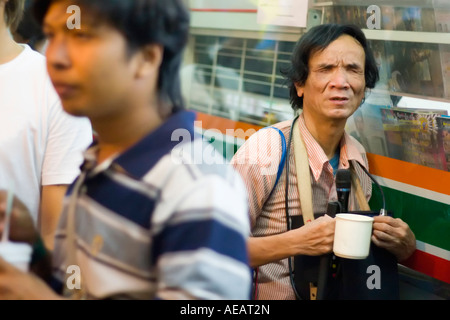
(241, 79)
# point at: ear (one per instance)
(300, 89)
(149, 61)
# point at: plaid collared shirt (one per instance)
(257, 162)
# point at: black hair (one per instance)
(317, 39)
(28, 29)
(13, 13)
(142, 22)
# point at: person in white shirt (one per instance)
(40, 144)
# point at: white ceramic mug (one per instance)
(352, 236)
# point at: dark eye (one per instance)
(82, 35)
(325, 69)
(355, 69)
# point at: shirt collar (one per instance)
(141, 157)
(316, 156)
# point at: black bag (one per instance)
(373, 278)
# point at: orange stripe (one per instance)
(397, 170)
(225, 10)
(410, 173)
(226, 126)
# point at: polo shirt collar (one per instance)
(141, 157)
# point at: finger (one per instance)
(383, 219)
(387, 225)
(382, 236)
(384, 242)
(394, 222)
(396, 229)
(382, 228)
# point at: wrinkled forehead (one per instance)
(344, 47)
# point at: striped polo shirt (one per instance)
(257, 161)
(166, 219)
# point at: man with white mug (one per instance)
(331, 68)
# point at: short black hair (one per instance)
(317, 39)
(13, 13)
(165, 22)
(28, 29)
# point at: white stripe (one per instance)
(417, 191)
(113, 220)
(111, 263)
(396, 35)
(181, 269)
(424, 193)
(222, 137)
(435, 251)
(145, 188)
(233, 213)
(102, 281)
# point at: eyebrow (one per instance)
(48, 25)
(353, 65)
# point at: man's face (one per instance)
(89, 67)
(335, 85)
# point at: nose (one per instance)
(57, 53)
(339, 79)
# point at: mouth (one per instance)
(65, 90)
(339, 100)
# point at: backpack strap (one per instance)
(283, 158)
(360, 196)
(303, 175)
(279, 172)
(303, 179)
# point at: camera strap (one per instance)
(304, 187)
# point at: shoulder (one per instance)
(204, 185)
(32, 60)
(33, 65)
(355, 150)
(264, 147)
(352, 141)
(193, 162)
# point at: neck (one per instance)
(9, 49)
(118, 133)
(328, 133)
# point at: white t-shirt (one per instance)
(40, 144)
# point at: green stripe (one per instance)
(428, 219)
